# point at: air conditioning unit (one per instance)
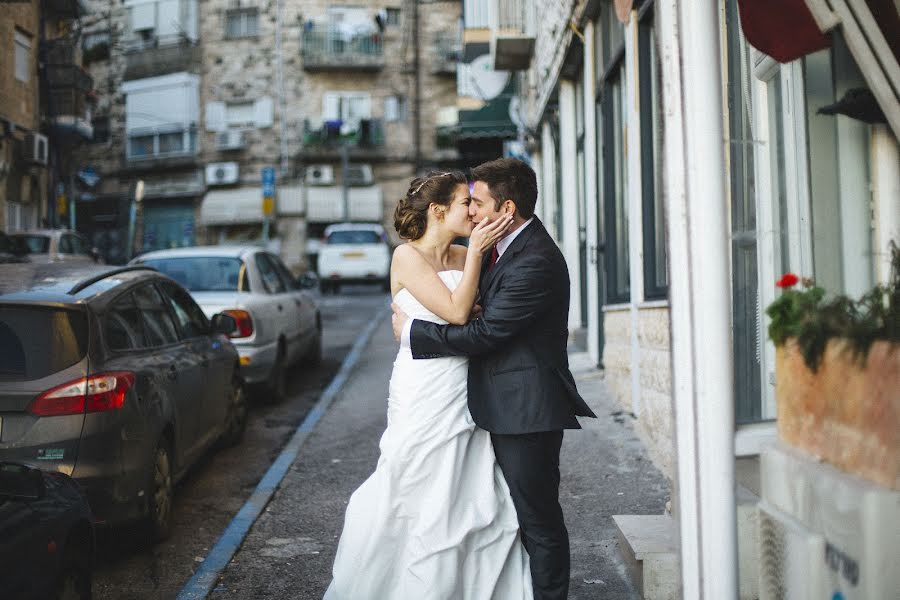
(319, 175)
(232, 139)
(824, 533)
(359, 175)
(223, 173)
(35, 148)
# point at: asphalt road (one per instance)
(128, 567)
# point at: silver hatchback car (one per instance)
(278, 320)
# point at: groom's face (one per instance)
(483, 205)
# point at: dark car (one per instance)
(11, 250)
(116, 377)
(46, 535)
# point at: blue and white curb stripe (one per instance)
(211, 568)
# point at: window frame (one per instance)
(170, 300)
(651, 197)
(243, 14)
(23, 43)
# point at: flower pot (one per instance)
(848, 412)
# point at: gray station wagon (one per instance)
(116, 378)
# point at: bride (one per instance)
(435, 520)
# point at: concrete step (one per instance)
(649, 546)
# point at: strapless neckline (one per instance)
(394, 297)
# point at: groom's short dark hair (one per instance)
(510, 178)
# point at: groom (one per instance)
(520, 386)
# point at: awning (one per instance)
(782, 29)
(228, 207)
(325, 204)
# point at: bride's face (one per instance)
(456, 218)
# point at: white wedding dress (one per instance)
(435, 521)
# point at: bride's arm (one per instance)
(410, 270)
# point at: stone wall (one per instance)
(655, 424)
(617, 355)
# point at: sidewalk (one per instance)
(290, 549)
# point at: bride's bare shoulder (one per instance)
(407, 259)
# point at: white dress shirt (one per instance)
(502, 245)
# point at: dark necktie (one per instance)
(495, 254)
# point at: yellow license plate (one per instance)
(353, 254)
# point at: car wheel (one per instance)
(277, 386)
(236, 422)
(314, 357)
(75, 579)
(162, 493)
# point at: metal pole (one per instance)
(282, 101)
(700, 297)
(345, 189)
(417, 103)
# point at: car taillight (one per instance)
(97, 393)
(244, 326)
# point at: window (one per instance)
(122, 327)
(161, 115)
(654, 230)
(289, 281)
(37, 341)
(101, 130)
(204, 273)
(190, 318)
(154, 23)
(95, 46)
(240, 114)
(66, 245)
(612, 99)
(394, 108)
(23, 56)
(159, 328)
(393, 16)
(349, 107)
(269, 275)
(242, 23)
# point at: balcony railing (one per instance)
(336, 47)
(331, 135)
(512, 33)
(161, 142)
(67, 85)
(151, 57)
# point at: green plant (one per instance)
(811, 318)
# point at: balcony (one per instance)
(335, 48)
(66, 107)
(64, 9)
(447, 53)
(512, 34)
(161, 147)
(324, 139)
(160, 55)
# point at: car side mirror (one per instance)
(222, 323)
(19, 482)
(308, 281)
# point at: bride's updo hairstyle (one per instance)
(411, 214)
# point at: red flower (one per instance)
(787, 280)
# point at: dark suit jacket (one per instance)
(519, 378)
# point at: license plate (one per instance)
(353, 254)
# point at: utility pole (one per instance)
(417, 102)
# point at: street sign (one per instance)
(268, 190)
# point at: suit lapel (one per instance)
(518, 245)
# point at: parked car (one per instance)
(57, 245)
(11, 251)
(46, 535)
(116, 377)
(354, 253)
(278, 321)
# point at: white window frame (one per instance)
(243, 14)
(23, 62)
(343, 106)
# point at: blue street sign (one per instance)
(268, 182)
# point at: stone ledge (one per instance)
(649, 546)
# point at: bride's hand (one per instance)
(486, 233)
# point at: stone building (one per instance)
(208, 103)
(45, 103)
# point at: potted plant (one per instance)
(838, 374)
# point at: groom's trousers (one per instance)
(530, 464)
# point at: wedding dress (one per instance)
(435, 521)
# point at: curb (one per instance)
(206, 576)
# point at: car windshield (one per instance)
(37, 341)
(35, 244)
(360, 236)
(203, 273)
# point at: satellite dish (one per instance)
(487, 83)
(515, 112)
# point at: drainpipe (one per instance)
(417, 104)
(702, 368)
(279, 83)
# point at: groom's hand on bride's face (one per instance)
(398, 320)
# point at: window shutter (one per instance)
(215, 116)
(331, 109)
(263, 112)
(391, 108)
(143, 16)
